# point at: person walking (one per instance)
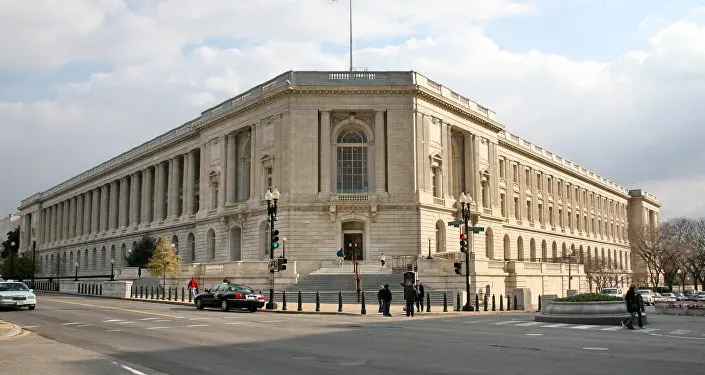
(383, 259)
(193, 286)
(631, 301)
(410, 298)
(380, 293)
(341, 257)
(386, 297)
(639, 307)
(420, 294)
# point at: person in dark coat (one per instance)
(386, 297)
(410, 298)
(420, 294)
(639, 307)
(631, 301)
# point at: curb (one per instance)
(16, 330)
(295, 312)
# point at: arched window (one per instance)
(507, 249)
(94, 259)
(489, 243)
(265, 240)
(210, 241)
(175, 242)
(123, 254)
(532, 250)
(437, 176)
(554, 252)
(544, 251)
(351, 162)
(520, 248)
(191, 243)
(564, 251)
(103, 260)
(71, 260)
(85, 260)
(440, 237)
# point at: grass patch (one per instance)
(588, 297)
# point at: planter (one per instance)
(593, 313)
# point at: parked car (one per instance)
(690, 295)
(667, 297)
(228, 296)
(648, 295)
(700, 297)
(612, 292)
(679, 296)
(17, 295)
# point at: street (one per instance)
(80, 335)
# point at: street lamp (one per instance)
(271, 197)
(465, 203)
(570, 269)
(12, 259)
(75, 265)
(283, 247)
(353, 251)
(429, 249)
(112, 269)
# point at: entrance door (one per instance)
(353, 245)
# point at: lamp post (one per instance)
(12, 260)
(283, 247)
(271, 197)
(75, 265)
(429, 249)
(353, 250)
(570, 269)
(465, 203)
(112, 269)
(34, 260)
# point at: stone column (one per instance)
(65, 232)
(469, 165)
(159, 195)
(184, 184)
(175, 188)
(87, 212)
(72, 217)
(113, 210)
(324, 152)
(95, 214)
(447, 162)
(79, 215)
(254, 159)
(190, 182)
(223, 183)
(52, 223)
(104, 207)
(380, 153)
(135, 199)
(124, 203)
(231, 162)
(203, 181)
(147, 196)
(59, 221)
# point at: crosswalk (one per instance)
(582, 327)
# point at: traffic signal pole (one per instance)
(274, 242)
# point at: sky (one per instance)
(617, 86)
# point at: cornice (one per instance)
(446, 104)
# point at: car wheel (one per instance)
(224, 305)
(252, 309)
(199, 304)
(32, 307)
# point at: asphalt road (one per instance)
(81, 335)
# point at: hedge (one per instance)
(588, 297)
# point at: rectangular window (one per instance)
(503, 205)
(570, 220)
(515, 177)
(351, 169)
(502, 165)
(517, 214)
(539, 181)
(540, 214)
(528, 178)
(560, 217)
(550, 216)
(529, 215)
(549, 181)
(268, 177)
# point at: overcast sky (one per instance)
(617, 86)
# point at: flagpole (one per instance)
(351, 38)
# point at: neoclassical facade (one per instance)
(376, 160)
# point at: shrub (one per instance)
(588, 297)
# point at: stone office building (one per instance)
(375, 160)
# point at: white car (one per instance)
(612, 292)
(16, 294)
(648, 296)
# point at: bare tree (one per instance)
(676, 239)
(601, 275)
(647, 244)
(694, 261)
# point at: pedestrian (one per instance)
(383, 259)
(631, 302)
(380, 294)
(420, 294)
(386, 300)
(639, 307)
(341, 257)
(410, 298)
(193, 286)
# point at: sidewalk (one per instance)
(8, 330)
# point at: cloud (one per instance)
(635, 119)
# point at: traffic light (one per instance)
(458, 268)
(464, 243)
(275, 239)
(281, 264)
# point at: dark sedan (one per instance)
(228, 296)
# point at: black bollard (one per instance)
(164, 293)
(284, 300)
(458, 304)
(151, 291)
(340, 301)
(509, 303)
(318, 301)
(428, 302)
(190, 296)
(363, 311)
(485, 302)
(516, 302)
(501, 303)
(299, 307)
(183, 289)
(494, 305)
(141, 291)
(477, 303)
(445, 302)
(539, 302)
(169, 293)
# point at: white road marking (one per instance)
(528, 324)
(198, 318)
(611, 328)
(70, 324)
(647, 330)
(113, 330)
(157, 327)
(270, 321)
(533, 334)
(84, 325)
(128, 322)
(679, 332)
(556, 325)
(474, 321)
(130, 369)
(162, 320)
(197, 325)
(595, 348)
(233, 323)
(678, 337)
(149, 318)
(30, 326)
(112, 320)
(583, 327)
(509, 322)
